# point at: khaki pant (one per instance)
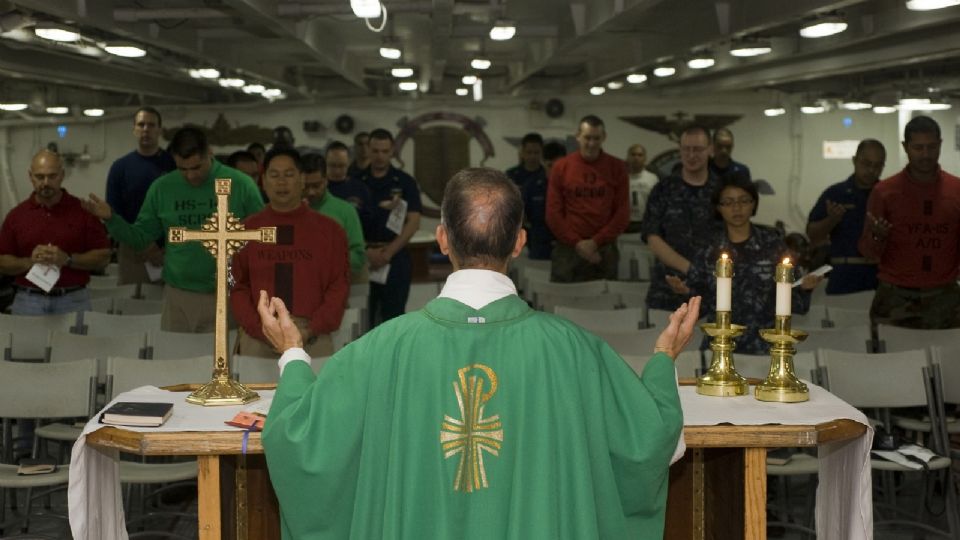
(131, 264)
(566, 266)
(933, 308)
(321, 345)
(188, 311)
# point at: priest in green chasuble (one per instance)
(476, 417)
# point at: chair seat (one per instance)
(59, 432)
(935, 464)
(132, 472)
(10, 479)
(923, 426)
(799, 464)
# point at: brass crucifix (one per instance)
(222, 235)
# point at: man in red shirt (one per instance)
(913, 231)
(587, 208)
(52, 229)
(308, 266)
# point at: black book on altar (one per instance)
(137, 413)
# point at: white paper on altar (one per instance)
(844, 499)
(94, 498)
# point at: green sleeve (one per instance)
(643, 423)
(357, 246)
(252, 201)
(145, 230)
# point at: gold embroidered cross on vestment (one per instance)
(472, 433)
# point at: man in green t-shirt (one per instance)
(475, 417)
(320, 199)
(184, 197)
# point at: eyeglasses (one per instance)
(693, 149)
(743, 201)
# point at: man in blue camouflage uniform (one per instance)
(838, 218)
(679, 218)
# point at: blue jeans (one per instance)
(25, 303)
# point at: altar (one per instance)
(718, 490)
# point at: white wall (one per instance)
(784, 150)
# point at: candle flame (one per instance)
(786, 260)
(723, 256)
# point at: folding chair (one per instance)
(637, 342)
(349, 330)
(30, 333)
(851, 339)
(136, 306)
(859, 301)
(604, 320)
(687, 363)
(101, 324)
(838, 317)
(174, 345)
(40, 391)
(549, 302)
(421, 294)
(895, 338)
(863, 380)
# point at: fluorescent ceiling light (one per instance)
(390, 53)
(478, 90)
(204, 73)
(126, 50)
(922, 104)
(927, 5)
(232, 82)
(702, 62)
(747, 49)
(615, 85)
(462, 91)
(855, 105)
(408, 86)
(58, 110)
(636, 78)
(469, 80)
(597, 90)
(824, 27)
(402, 72)
(664, 71)
(55, 32)
(774, 111)
(93, 112)
(271, 93)
(12, 106)
(365, 9)
(812, 109)
(502, 30)
(884, 109)
(480, 63)
(254, 89)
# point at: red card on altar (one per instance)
(247, 420)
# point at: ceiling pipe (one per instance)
(298, 10)
(138, 14)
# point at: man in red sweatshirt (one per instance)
(587, 208)
(308, 266)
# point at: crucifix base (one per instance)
(222, 391)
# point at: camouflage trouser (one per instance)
(568, 267)
(933, 308)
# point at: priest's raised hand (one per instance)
(677, 333)
(277, 325)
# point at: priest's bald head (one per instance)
(481, 220)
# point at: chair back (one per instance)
(31, 333)
(852, 339)
(549, 302)
(604, 320)
(113, 291)
(895, 338)
(149, 291)
(858, 301)
(68, 347)
(637, 342)
(421, 294)
(839, 317)
(136, 306)
(879, 380)
(814, 318)
(124, 373)
(176, 345)
(689, 363)
(948, 358)
(102, 324)
(32, 390)
(253, 369)
(752, 366)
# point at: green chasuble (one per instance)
(456, 423)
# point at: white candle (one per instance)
(784, 279)
(724, 273)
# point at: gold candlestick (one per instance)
(782, 384)
(722, 378)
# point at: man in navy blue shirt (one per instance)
(838, 218)
(394, 218)
(127, 184)
(531, 161)
(722, 161)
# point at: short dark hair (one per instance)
(695, 128)
(531, 138)
(554, 150)
(336, 145)
(869, 142)
(921, 124)
(253, 145)
(737, 179)
(238, 156)
(314, 162)
(722, 131)
(381, 134)
(283, 151)
(150, 110)
(358, 136)
(482, 213)
(188, 141)
(591, 120)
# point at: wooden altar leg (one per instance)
(208, 503)
(755, 493)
